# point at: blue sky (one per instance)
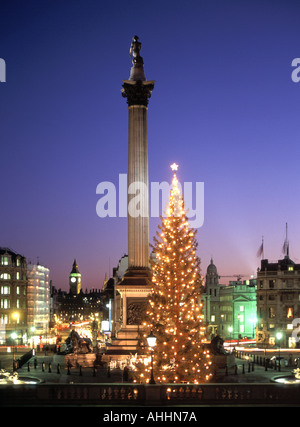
(224, 108)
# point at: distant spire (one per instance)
(75, 267)
(285, 247)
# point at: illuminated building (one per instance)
(243, 301)
(232, 306)
(75, 279)
(278, 293)
(211, 298)
(13, 290)
(38, 299)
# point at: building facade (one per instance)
(278, 302)
(38, 300)
(13, 297)
(229, 310)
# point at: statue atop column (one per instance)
(134, 51)
(137, 70)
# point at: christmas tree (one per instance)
(175, 311)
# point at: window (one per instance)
(5, 276)
(18, 275)
(3, 319)
(290, 313)
(4, 260)
(291, 268)
(271, 312)
(271, 284)
(5, 290)
(5, 303)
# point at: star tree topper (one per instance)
(174, 167)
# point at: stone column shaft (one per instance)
(138, 181)
(138, 94)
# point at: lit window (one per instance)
(5, 303)
(4, 319)
(4, 260)
(291, 268)
(289, 312)
(5, 276)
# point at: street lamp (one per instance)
(279, 336)
(14, 337)
(230, 329)
(151, 340)
(253, 321)
(222, 326)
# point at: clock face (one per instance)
(73, 280)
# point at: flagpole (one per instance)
(287, 242)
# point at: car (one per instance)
(276, 359)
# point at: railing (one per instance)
(145, 395)
(23, 359)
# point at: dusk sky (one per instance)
(224, 108)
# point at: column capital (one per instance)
(137, 92)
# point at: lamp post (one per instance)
(14, 337)
(151, 340)
(253, 321)
(230, 329)
(222, 326)
(279, 336)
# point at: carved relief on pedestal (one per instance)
(136, 311)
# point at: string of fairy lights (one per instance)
(175, 309)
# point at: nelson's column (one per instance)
(135, 286)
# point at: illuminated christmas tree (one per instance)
(175, 311)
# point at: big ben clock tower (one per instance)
(75, 279)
